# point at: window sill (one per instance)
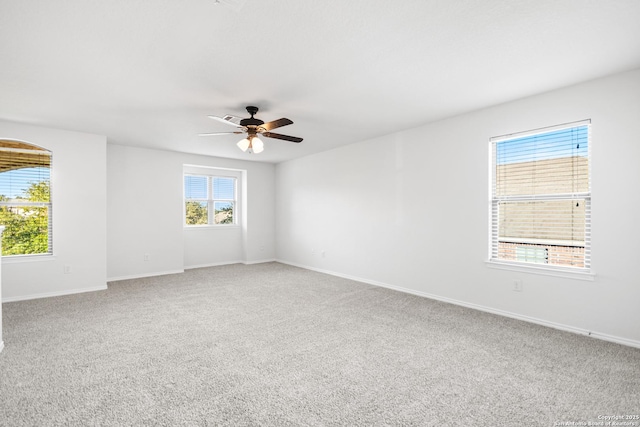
(17, 259)
(211, 227)
(546, 271)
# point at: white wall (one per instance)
(206, 246)
(78, 192)
(410, 210)
(145, 199)
(257, 228)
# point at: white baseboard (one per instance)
(140, 276)
(189, 267)
(260, 261)
(55, 294)
(1, 346)
(213, 264)
(218, 264)
(554, 325)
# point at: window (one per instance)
(541, 197)
(25, 200)
(209, 200)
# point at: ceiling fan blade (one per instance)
(220, 133)
(276, 124)
(228, 119)
(280, 136)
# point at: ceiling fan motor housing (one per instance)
(251, 122)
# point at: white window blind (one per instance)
(25, 199)
(541, 197)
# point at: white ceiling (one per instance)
(148, 72)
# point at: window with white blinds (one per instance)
(25, 199)
(209, 200)
(541, 197)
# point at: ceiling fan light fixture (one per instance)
(244, 144)
(257, 145)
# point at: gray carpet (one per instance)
(275, 345)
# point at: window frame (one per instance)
(49, 254)
(585, 272)
(211, 200)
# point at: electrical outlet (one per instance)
(67, 269)
(323, 254)
(517, 285)
(147, 257)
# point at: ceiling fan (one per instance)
(253, 127)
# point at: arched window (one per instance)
(25, 198)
